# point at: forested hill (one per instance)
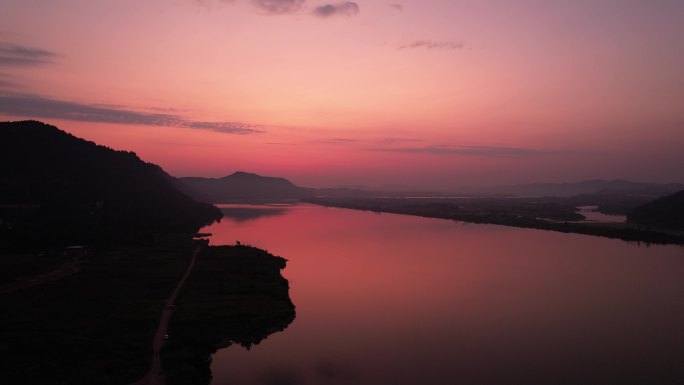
(57, 188)
(665, 212)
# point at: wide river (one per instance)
(393, 299)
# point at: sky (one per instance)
(430, 93)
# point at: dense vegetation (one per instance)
(235, 295)
(93, 327)
(57, 189)
(665, 212)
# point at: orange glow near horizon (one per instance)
(432, 93)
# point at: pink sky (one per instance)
(431, 93)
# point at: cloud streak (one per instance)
(14, 55)
(286, 7)
(337, 141)
(6, 82)
(447, 45)
(347, 8)
(486, 151)
(40, 107)
(392, 140)
(278, 7)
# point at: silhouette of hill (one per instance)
(56, 188)
(242, 186)
(602, 187)
(667, 212)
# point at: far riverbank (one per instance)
(534, 215)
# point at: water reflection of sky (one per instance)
(392, 299)
(591, 214)
(243, 212)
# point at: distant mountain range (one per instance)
(55, 187)
(241, 186)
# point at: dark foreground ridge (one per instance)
(58, 190)
(526, 213)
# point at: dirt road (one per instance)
(155, 376)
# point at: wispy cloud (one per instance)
(208, 4)
(14, 55)
(487, 151)
(40, 107)
(347, 8)
(278, 7)
(6, 83)
(364, 143)
(281, 144)
(390, 140)
(397, 6)
(447, 45)
(225, 127)
(337, 141)
(286, 7)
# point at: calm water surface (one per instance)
(591, 214)
(391, 299)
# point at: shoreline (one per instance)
(623, 231)
(105, 323)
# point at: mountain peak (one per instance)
(243, 174)
(243, 185)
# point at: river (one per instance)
(393, 299)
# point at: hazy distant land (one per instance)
(547, 206)
(544, 214)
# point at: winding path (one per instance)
(155, 376)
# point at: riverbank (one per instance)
(236, 295)
(507, 212)
(96, 326)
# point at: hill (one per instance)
(57, 189)
(667, 212)
(241, 186)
